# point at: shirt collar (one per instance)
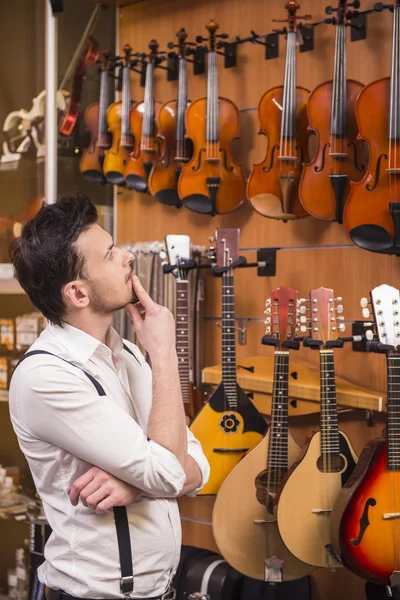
(81, 345)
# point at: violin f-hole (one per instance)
(377, 173)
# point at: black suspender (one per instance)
(120, 514)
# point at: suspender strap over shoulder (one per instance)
(120, 514)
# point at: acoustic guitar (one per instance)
(179, 251)
(244, 523)
(366, 518)
(229, 425)
(311, 488)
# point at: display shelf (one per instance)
(8, 283)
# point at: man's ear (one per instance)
(75, 294)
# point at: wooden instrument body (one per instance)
(115, 158)
(196, 401)
(368, 202)
(192, 186)
(317, 194)
(306, 489)
(88, 58)
(226, 435)
(163, 179)
(365, 539)
(265, 191)
(245, 543)
(140, 161)
(91, 162)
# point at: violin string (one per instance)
(284, 107)
(392, 97)
(343, 87)
(209, 104)
(292, 113)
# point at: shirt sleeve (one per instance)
(59, 405)
(194, 450)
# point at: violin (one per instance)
(11, 226)
(146, 149)
(273, 184)
(211, 182)
(170, 123)
(117, 118)
(325, 181)
(372, 212)
(91, 163)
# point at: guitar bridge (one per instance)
(230, 450)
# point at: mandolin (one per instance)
(228, 425)
(179, 251)
(325, 181)
(211, 182)
(175, 148)
(244, 523)
(312, 486)
(91, 162)
(273, 185)
(117, 118)
(146, 146)
(372, 211)
(366, 518)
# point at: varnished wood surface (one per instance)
(314, 253)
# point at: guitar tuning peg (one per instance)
(340, 318)
(268, 330)
(342, 327)
(302, 300)
(303, 319)
(339, 308)
(365, 313)
(364, 302)
(268, 302)
(267, 311)
(303, 310)
(369, 335)
(338, 299)
(211, 239)
(303, 329)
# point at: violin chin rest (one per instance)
(137, 183)
(374, 238)
(94, 176)
(169, 197)
(270, 206)
(199, 203)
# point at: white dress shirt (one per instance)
(64, 428)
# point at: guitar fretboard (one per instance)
(182, 337)
(329, 418)
(393, 411)
(278, 433)
(228, 341)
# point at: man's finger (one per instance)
(134, 313)
(104, 505)
(93, 500)
(78, 485)
(141, 293)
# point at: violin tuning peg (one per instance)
(329, 10)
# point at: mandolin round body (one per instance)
(245, 543)
(366, 214)
(91, 162)
(369, 540)
(140, 160)
(163, 179)
(211, 182)
(306, 503)
(273, 185)
(115, 158)
(226, 435)
(338, 158)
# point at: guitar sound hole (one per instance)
(333, 463)
(267, 484)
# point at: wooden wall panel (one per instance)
(313, 253)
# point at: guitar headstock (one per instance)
(227, 246)
(282, 312)
(385, 302)
(178, 250)
(322, 320)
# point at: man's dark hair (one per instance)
(45, 257)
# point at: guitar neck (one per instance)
(182, 337)
(228, 341)
(278, 432)
(330, 449)
(393, 411)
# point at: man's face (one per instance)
(107, 271)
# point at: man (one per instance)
(98, 427)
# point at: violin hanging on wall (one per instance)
(91, 163)
(146, 147)
(176, 149)
(372, 211)
(211, 182)
(325, 181)
(118, 125)
(273, 185)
